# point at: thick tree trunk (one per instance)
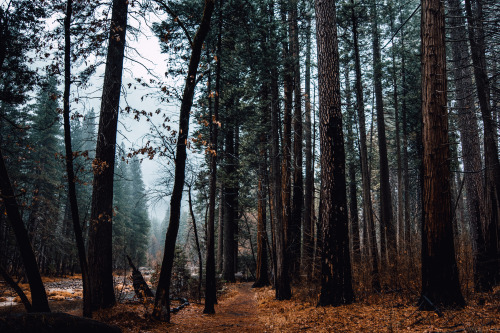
(161, 310)
(75, 216)
(365, 172)
(100, 232)
(336, 284)
(440, 284)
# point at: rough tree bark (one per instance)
(440, 284)
(336, 284)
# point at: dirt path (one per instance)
(236, 313)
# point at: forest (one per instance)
(249, 166)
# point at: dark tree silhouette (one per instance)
(161, 309)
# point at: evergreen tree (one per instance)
(140, 224)
(46, 173)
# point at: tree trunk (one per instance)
(406, 175)
(141, 288)
(75, 216)
(308, 245)
(387, 232)
(8, 279)
(365, 173)
(220, 228)
(400, 216)
(469, 133)
(491, 160)
(210, 281)
(162, 300)
(38, 295)
(262, 278)
(286, 142)
(336, 284)
(298, 181)
(353, 197)
(440, 284)
(197, 242)
(237, 215)
(100, 232)
(228, 269)
(282, 282)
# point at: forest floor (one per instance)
(243, 309)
